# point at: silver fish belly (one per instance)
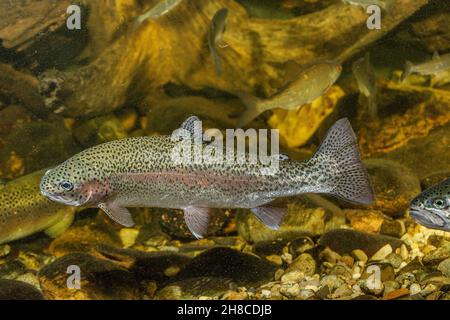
(140, 172)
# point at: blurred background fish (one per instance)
(24, 211)
(216, 30)
(435, 66)
(367, 83)
(311, 83)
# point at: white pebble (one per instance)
(415, 288)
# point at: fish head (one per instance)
(73, 183)
(432, 207)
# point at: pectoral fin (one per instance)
(62, 225)
(119, 214)
(270, 216)
(197, 220)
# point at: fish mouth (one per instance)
(61, 199)
(428, 219)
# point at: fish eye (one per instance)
(439, 203)
(66, 185)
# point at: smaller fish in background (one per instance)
(365, 3)
(311, 83)
(215, 33)
(431, 208)
(159, 10)
(367, 83)
(434, 67)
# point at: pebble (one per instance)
(266, 294)
(275, 259)
(404, 252)
(306, 294)
(293, 276)
(333, 282)
(290, 291)
(444, 267)
(128, 236)
(329, 255)
(382, 253)
(304, 263)
(396, 294)
(415, 288)
(394, 259)
(287, 257)
(360, 255)
(348, 260)
(390, 286)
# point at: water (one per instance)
(101, 72)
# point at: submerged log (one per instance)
(173, 49)
(22, 21)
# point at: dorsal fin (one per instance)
(189, 125)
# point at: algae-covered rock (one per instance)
(195, 288)
(18, 290)
(243, 268)
(157, 266)
(344, 241)
(100, 279)
(83, 236)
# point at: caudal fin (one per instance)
(338, 158)
(252, 109)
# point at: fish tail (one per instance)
(339, 160)
(407, 71)
(252, 110)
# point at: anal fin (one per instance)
(197, 220)
(119, 214)
(270, 216)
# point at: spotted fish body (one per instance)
(431, 208)
(140, 172)
(24, 211)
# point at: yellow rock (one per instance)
(297, 126)
(128, 236)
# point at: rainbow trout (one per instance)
(24, 211)
(140, 172)
(431, 208)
